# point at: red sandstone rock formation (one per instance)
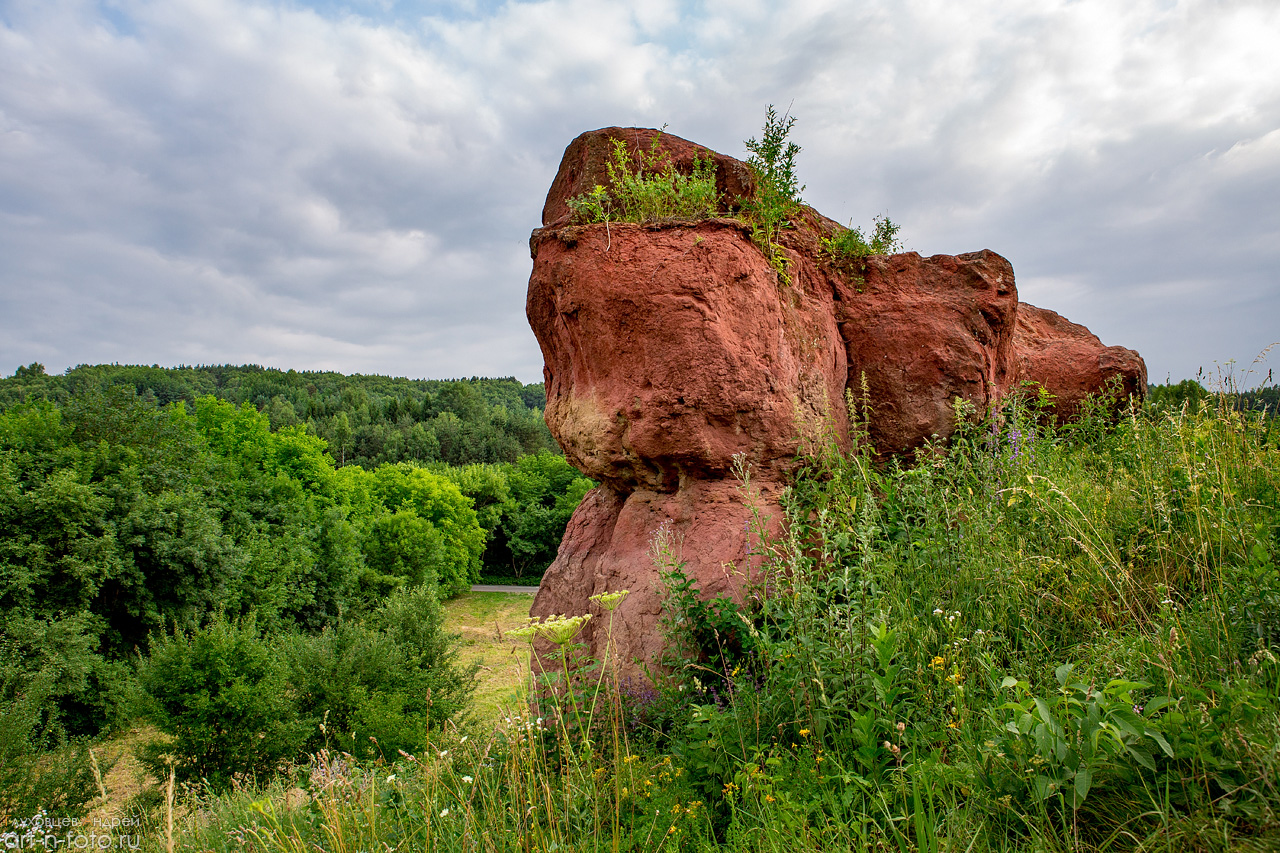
(672, 348)
(1069, 361)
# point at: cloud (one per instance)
(350, 185)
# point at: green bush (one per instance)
(221, 695)
(852, 244)
(648, 187)
(46, 672)
(379, 686)
(777, 191)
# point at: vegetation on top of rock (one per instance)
(777, 190)
(853, 244)
(648, 188)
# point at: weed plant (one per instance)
(852, 245)
(1035, 638)
(777, 188)
(647, 188)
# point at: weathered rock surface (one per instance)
(1069, 361)
(925, 331)
(672, 348)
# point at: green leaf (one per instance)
(1084, 779)
(1047, 716)
(1143, 757)
(1159, 738)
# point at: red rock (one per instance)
(1069, 362)
(925, 331)
(672, 348)
(608, 547)
(669, 350)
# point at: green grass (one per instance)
(1033, 640)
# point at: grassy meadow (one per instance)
(1034, 639)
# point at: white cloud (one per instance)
(351, 185)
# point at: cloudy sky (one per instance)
(350, 184)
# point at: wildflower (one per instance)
(953, 725)
(562, 629)
(443, 753)
(937, 661)
(467, 779)
(902, 727)
(444, 813)
(391, 778)
(768, 798)
(526, 633)
(610, 600)
(937, 611)
(804, 733)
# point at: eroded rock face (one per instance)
(924, 331)
(609, 544)
(673, 348)
(1069, 362)
(670, 350)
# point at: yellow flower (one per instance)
(768, 798)
(561, 629)
(526, 633)
(804, 733)
(610, 600)
(938, 661)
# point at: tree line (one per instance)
(365, 420)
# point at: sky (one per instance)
(350, 184)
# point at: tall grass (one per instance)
(1032, 639)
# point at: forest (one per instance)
(139, 503)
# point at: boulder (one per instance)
(923, 332)
(1071, 364)
(670, 350)
(677, 359)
